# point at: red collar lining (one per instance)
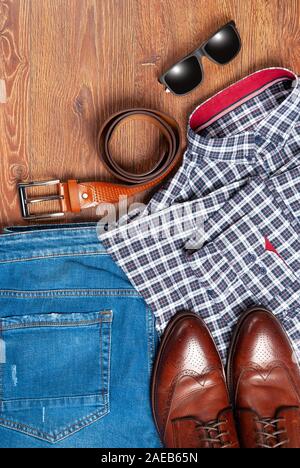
(230, 96)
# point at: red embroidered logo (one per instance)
(270, 248)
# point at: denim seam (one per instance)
(109, 363)
(58, 230)
(101, 358)
(1, 364)
(55, 324)
(150, 340)
(54, 255)
(106, 385)
(70, 293)
(87, 420)
(101, 393)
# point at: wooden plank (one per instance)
(69, 64)
(14, 104)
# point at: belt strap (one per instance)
(75, 196)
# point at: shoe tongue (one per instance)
(189, 433)
(248, 430)
(253, 429)
(291, 424)
(186, 433)
(288, 422)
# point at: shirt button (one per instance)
(262, 271)
(286, 212)
(210, 293)
(258, 139)
(250, 258)
(267, 168)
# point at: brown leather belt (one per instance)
(75, 196)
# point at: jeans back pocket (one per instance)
(54, 372)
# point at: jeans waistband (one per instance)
(22, 243)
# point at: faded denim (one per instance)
(77, 344)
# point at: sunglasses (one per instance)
(188, 73)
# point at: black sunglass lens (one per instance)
(184, 76)
(224, 45)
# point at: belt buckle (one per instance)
(26, 201)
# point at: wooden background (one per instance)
(66, 65)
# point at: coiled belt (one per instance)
(75, 196)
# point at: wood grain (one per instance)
(15, 111)
(66, 65)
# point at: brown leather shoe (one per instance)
(189, 395)
(264, 379)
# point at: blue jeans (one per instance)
(77, 344)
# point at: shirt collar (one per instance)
(275, 128)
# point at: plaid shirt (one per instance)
(223, 234)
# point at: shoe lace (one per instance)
(269, 433)
(214, 435)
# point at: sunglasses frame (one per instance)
(199, 53)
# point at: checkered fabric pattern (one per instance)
(224, 233)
